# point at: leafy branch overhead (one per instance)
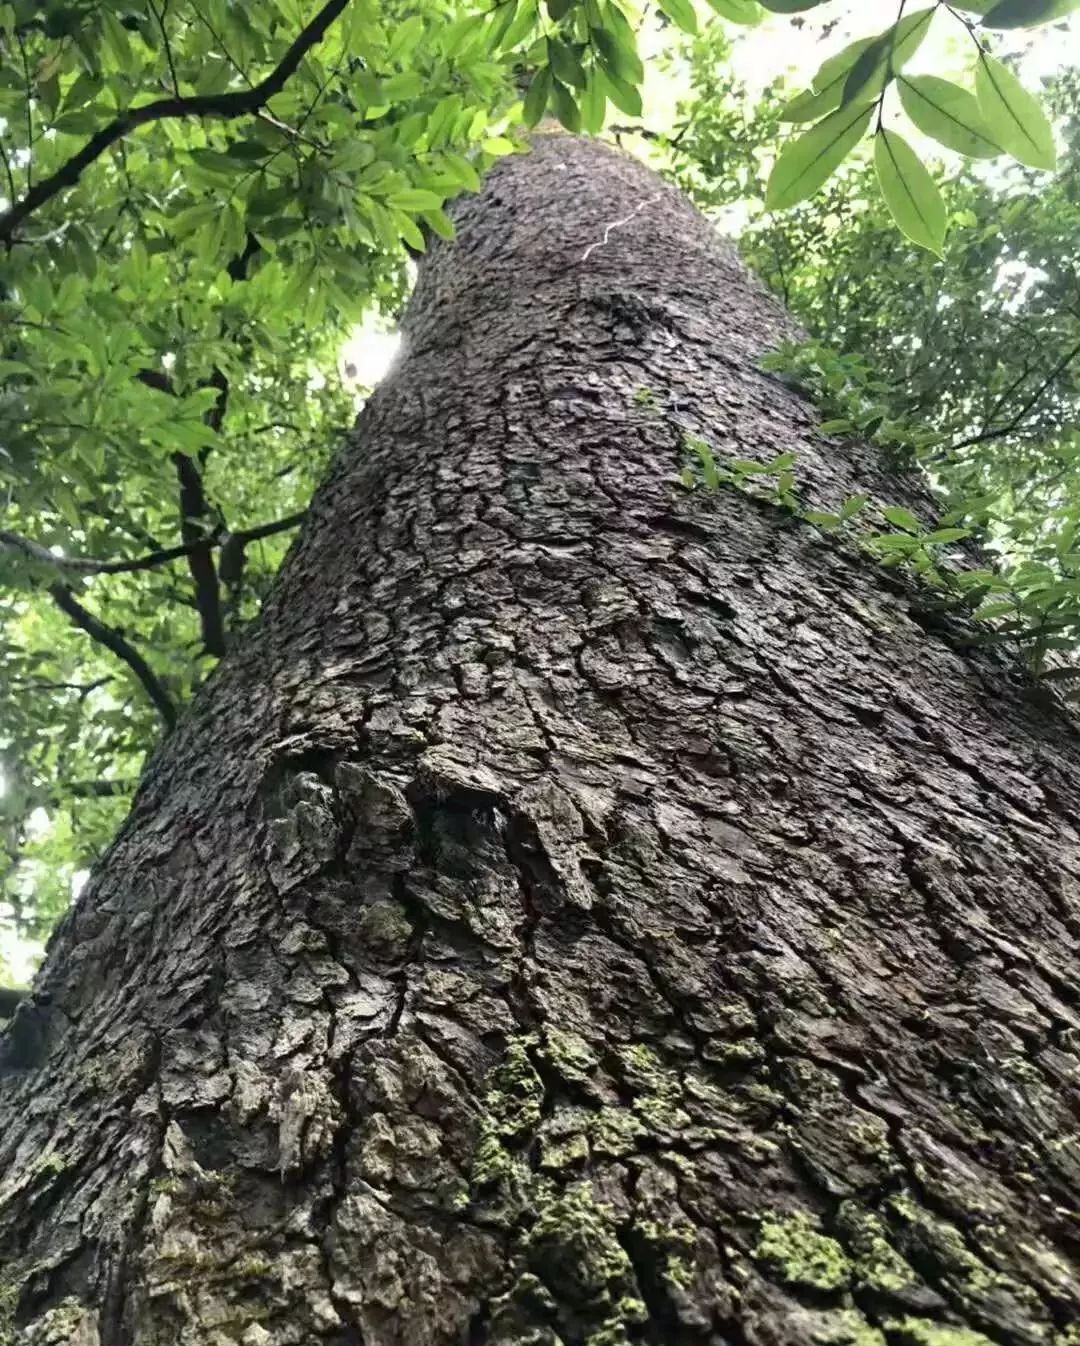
(999, 117)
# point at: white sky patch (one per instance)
(370, 349)
(369, 352)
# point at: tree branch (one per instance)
(113, 641)
(240, 103)
(246, 535)
(36, 552)
(193, 509)
(994, 432)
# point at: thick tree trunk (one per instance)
(582, 911)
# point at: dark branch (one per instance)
(199, 539)
(241, 103)
(246, 535)
(113, 641)
(996, 431)
(36, 552)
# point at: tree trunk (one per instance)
(582, 910)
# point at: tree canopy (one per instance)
(199, 201)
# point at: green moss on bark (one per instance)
(795, 1250)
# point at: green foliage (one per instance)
(850, 89)
(909, 191)
(967, 371)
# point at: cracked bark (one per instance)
(579, 911)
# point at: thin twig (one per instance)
(165, 39)
(113, 641)
(995, 432)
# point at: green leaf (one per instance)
(828, 84)
(1013, 116)
(942, 535)
(415, 198)
(1028, 13)
(738, 11)
(909, 191)
(566, 109)
(593, 105)
(536, 100)
(907, 36)
(565, 63)
(521, 27)
(439, 223)
(625, 96)
(895, 542)
(808, 161)
(853, 505)
(617, 46)
(885, 56)
(790, 6)
(808, 106)
(948, 114)
(116, 41)
(834, 70)
(902, 518)
(681, 13)
(82, 122)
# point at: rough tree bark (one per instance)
(581, 911)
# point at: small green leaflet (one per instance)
(902, 518)
(808, 161)
(681, 13)
(943, 535)
(536, 100)
(852, 506)
(625, 96)
(415, 198)
(1013, 116)
(885, 55)
(565, 63)
(738, 11)
(593, 103)
(791, 6)
(1028, 13)
(827, 86)
(909, 191)
(566, 109)
(861, 70)
(948, 114)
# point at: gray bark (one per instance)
(581, 910)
